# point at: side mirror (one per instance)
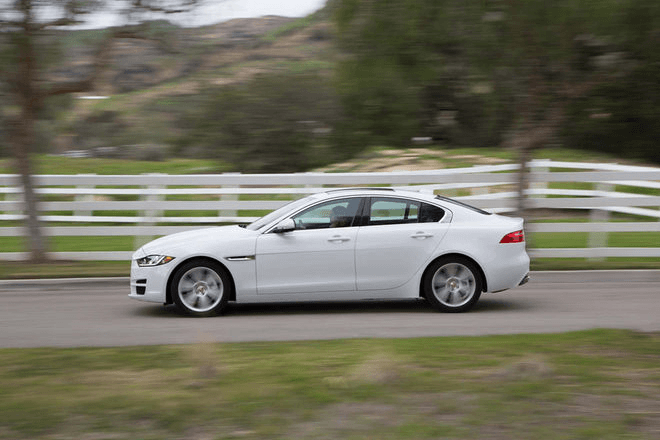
(285, 226)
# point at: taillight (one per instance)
(514, 237)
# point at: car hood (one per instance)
(182, 242)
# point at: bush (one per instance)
(620, 117)
(274, 123)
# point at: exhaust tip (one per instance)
(525, 280)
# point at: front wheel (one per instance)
(200, 288)
(452, 284)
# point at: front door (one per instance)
(318, 256)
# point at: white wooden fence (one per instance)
(144, 206)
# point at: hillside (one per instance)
(147, 76)
(169, 52)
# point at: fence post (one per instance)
(227, 198)
(598, 239)
(307, 185)
(149, 214)
(479, 190)
(17, 197)
(537, 185)
(84, 198)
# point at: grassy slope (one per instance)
(64, 165)
(600, 384)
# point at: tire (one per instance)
(452, 284)
(201, 288)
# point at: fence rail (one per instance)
(148, 205)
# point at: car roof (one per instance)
(394, 192)
(378, 191)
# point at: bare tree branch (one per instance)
(9, 23)
(101, 62)
(158, 6)
(56, 23)
(26, 85)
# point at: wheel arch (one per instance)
(168, 289)
(481, 274)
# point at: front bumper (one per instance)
(149, 283)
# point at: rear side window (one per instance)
(430, 213)
(392, 211)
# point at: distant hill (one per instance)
(147, 75)
(171, 52)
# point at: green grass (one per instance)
(10, 270)
(596, 384)
(290, 28)
(613, 263)
(571, 155)
(73, 244)
(45, 164)
(580, 239)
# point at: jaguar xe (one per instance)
(339, 245)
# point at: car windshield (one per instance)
(280, 212)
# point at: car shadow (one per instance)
(303, 308)
(157, 311)
(490, 304)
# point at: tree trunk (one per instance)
(524, 155)
(30, 93)
(22, 143)
(23, 133)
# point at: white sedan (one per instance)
(348, 244)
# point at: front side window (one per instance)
(334, 214)
(289, 207)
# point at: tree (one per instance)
(505, 71)
(23, 24)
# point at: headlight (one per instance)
(153, 260)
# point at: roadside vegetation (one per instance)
(599, 384)
(347, 89)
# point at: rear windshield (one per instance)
(464, 205)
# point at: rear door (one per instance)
(397, 238)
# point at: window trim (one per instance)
(462, 204)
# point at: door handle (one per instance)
(421, 235)
(338, 239)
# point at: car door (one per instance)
(398, 237)
(318, 256)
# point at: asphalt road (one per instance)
(98, 313)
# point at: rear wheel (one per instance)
(452, 284)
(201, 288)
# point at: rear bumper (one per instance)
(508, 270)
